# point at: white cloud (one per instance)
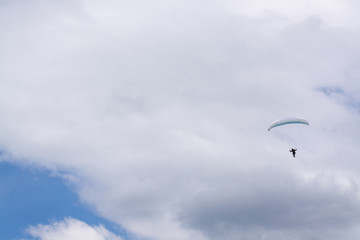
(335, 13)
(71, 229)
(158, 112)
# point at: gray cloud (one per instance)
(274, 200)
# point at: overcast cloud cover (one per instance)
(157, 113)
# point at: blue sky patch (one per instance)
(31, 197)
(342, 96)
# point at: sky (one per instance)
(147, 120)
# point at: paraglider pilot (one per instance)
(293, 151)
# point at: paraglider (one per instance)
(293, 151)
(289, 120)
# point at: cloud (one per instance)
(70, 229)
(158, 112)
(278, 203)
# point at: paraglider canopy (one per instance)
(288, 120)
